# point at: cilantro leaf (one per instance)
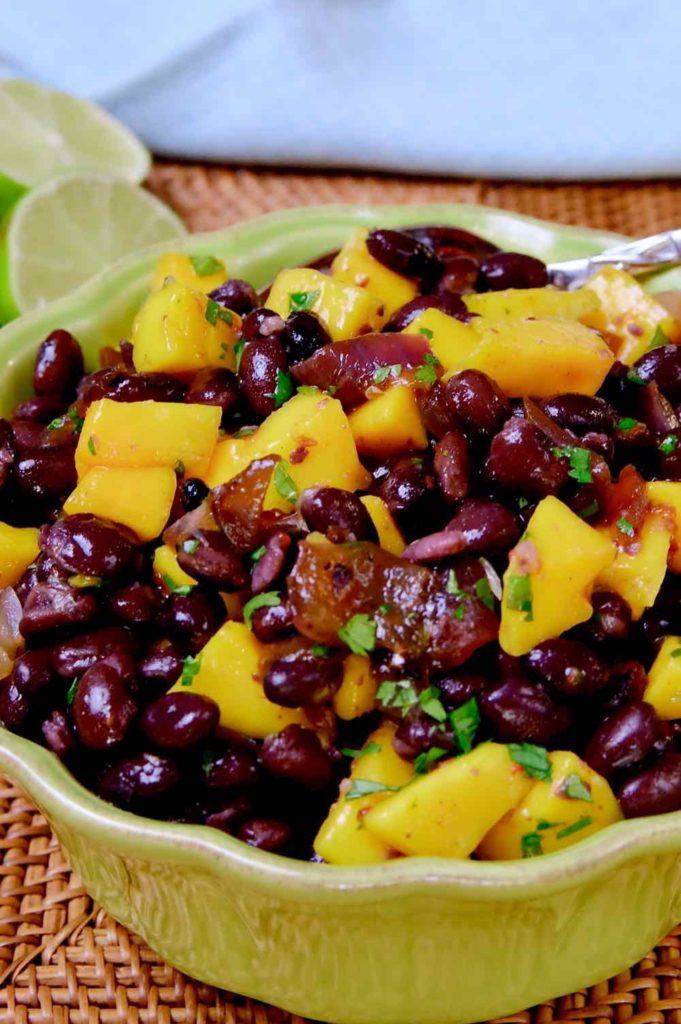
(245, 432)
(320, 650)
(190, 668)
(625, 527)
(299, 302)
(359, 633)
(676, 653)
(530, 845)
(283, 389)
(634, 377)
(91, 447)
(190, 545)
(398, 693)
(483, 592)
(427, 374)
(369, 748)
(267, 600)
(365, 787)
(576, 789)
(575, 826)
(423, 761)
(668, 444)
(71, 692)
(205, 265)
(658, 339)
(533, 759)
(238, 352)
(430, 702)
(177, 588)
(382, 373)
(519, 595)
(465, 721)
(284, 484)
(426, 332)
(590, 510)
(258, 553)
(627, 423)
(580, 462)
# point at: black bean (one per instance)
(230, 814)
(124, 386)
(177, 721)
(46, 473)
(194, 491)
(232, 769)
(581, 413)
(193, 617)
(623, 740)
(264, 833)
(76, 655)
(57, 734)
(213, 386)
(161, 666)
(654, 791)
(405, 255)
(141, 777)
(271, 563)
(134, 602)
(568, 666)
(14, 706)
(304, 334)
(521, 459)
(415, 734)
(512, 270)
(458, 687)
(296, 753)
(520, 711)
(452, 465)
(451, 305)
(661, 366)
(488, 528)
(215, 561)
(337, 513)
(53, 606)
(102, 709)
(476, 402)
(40, 408)
(58, 365)
(460, 275)
(89, 546)
(272, 622)
(449, 241)
(235, 294)
(611, 619)
(302, 678)
(32, 671)
(262, 323)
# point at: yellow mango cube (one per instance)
(629, 313)
(137, 498)
(535, 303)
(142, 434)
(231, 668)
(204, 273)
(345, 310)
(311, 433)
(664, 680)
(179, 330)
(540, 358)
(342, 838)
(389, 534)
(18, 548)
(666, 494)
(550, 577)
(557, 812)
(447, 812)
(636, 573)
(389, 424)
(167, 569)
(355, 265)
(450, 341)
(357, 693)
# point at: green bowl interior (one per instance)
(100, 313)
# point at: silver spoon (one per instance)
(639, 257)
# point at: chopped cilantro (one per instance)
(320, 650)
(365, 787)
(580, 462)
(245, 432)
(55, 424)
(542, 825)
(238, 352)
(283, 389)
(180, 468)
(283, 483)
(359, 633)
(624, 526)
(460, 612)
(533, 759)
(590, 510)
(190, 546)
(266, 600)
(658, 339)
(399, 693)
(429, 700)
(523, 503)
(215, 312)
(519, 595)
(307, 389)
(626, 423)
(71, 692)
(426, 332)
(676, 653)
(176, 588)
(576, 789)
(634, 377)
(483, 592)
(668, 444)
(299, 302)
(427, 374)
(60, 421)
(530, 845)
(258, 553)
(465, 721)
(205, 265)
(385, 609)
(190, 668)
(370, 748)
(208, 760)
(575, 826)
(91, 447)
(423, 761)
(382, 373)
(453, 585)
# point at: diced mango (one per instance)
(389, 424)
(138, 498)
(664, 680)
(357, 692)
(451, 342)
(557, 812)
(231, 670)
(179, 330)
(167, 568)
(629, 313)
(311, 433)
(201, 272)
(550, 576)
(447, 812)
(345, 310)
(540, 358)
(342, 838)
(355, 265)
(143, 434)
(535, 303)
(389, 535)
(636, 574)
(18, 548)
(667, 494)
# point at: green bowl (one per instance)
(422, 939)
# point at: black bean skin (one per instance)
(337, 513)
(237, 295)
(142, 777)
(83, 544)
(623, 740)
(520, 711)
(296, 753)
(654, 791)
(302, 678)
(58, 366)
(404, 255)
(511, 270)
(568, 666)
(103, 709)
(177, 721)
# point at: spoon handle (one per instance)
(638, 257)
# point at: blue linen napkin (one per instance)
(495, 88)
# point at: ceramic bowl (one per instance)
(418, 939)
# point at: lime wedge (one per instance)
(68, 229)
(46, 133)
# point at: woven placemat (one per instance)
(62, 959)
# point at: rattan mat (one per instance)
(62, 959)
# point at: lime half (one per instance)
(46, 133)
(63, 232)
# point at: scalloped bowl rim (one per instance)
(65, 799)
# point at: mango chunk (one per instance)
(540, 358)
(389, 534)
(345, 310)
(628, 313)
(138, 498)
(550, 576)
(342, 838)
(557, 812)
(231, 670)
(142, 434)
(200, 272)
(354, 264)
(451, 342)
(167, 569)
(664, 680)
(667, 494)
(535, 303)
(447, 812)
(357, 692)
(636, 573)
(311, 433)
(389, 424)
(18, 548)
(179, 330)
